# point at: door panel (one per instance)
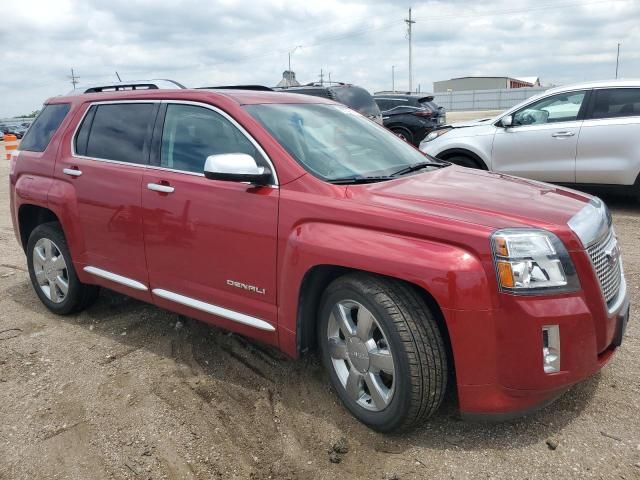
(110, 222)
(542, 141)
(208, 238)
(608, 149)
(544, 152)
(210, 241)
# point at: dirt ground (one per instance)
(126, 390)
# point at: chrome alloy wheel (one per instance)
(360, 355)
(51, 270)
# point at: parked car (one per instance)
(10, 129)
(578, 135)
(352, 96)
(292, 220)
(410, 116)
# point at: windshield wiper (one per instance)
(419, 166)
(359, 179)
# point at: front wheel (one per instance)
(464, 161)
(383, 350)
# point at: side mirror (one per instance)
(236, 167)
(507, 121)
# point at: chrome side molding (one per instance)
(214, 309)
(114, 277)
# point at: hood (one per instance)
(475, 196)
(471, 123)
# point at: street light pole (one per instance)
(291, 53)
(617, 60)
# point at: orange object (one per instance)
(506, 274)
(10, 144)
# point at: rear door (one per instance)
(541, 144)
(608, 147)
(210, 245)
(104, 167)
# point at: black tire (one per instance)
(464, 161)
(403, 133)
(413, 338)
(79, 295)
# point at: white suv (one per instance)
(584, 134)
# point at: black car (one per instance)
(352, 96)
(410, 115)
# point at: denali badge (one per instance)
(244, 286)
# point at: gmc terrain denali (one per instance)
(299, 222)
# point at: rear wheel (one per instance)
(383, 350)
(464, 161)
(403, 133)
(52, 274)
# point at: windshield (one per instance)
(334, 142)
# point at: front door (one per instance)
(210, 245)
(541, 143)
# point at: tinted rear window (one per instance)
(616, 102)
(357, 98)
(119, 132)
(44, 126)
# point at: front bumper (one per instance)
(498, 353)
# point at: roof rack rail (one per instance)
(322, 84)
(261, 88)
(155, 84)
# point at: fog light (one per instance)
(551, 348)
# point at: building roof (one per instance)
(288, 80)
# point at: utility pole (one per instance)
(321, 77)
(393, 78)
(617, 61)
(74, 79)
(329, 78)
(409, 23)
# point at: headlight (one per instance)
(433, 134)
(532, 261)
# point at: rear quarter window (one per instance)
(44, 126)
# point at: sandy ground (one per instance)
(126, 390)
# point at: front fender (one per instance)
(454, 276)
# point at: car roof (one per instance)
(242, 97)
(595, 84)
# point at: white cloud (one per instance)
(221, 42)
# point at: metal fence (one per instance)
(495, 99)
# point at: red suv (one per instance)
(298, 222)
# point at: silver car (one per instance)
(584, 134)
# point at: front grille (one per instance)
(606, 260)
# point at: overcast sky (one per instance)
(217, 42)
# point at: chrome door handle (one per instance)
(157, 187)
(562, 134)
(74, 172)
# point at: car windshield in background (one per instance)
(334, 142)
(357, 98)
